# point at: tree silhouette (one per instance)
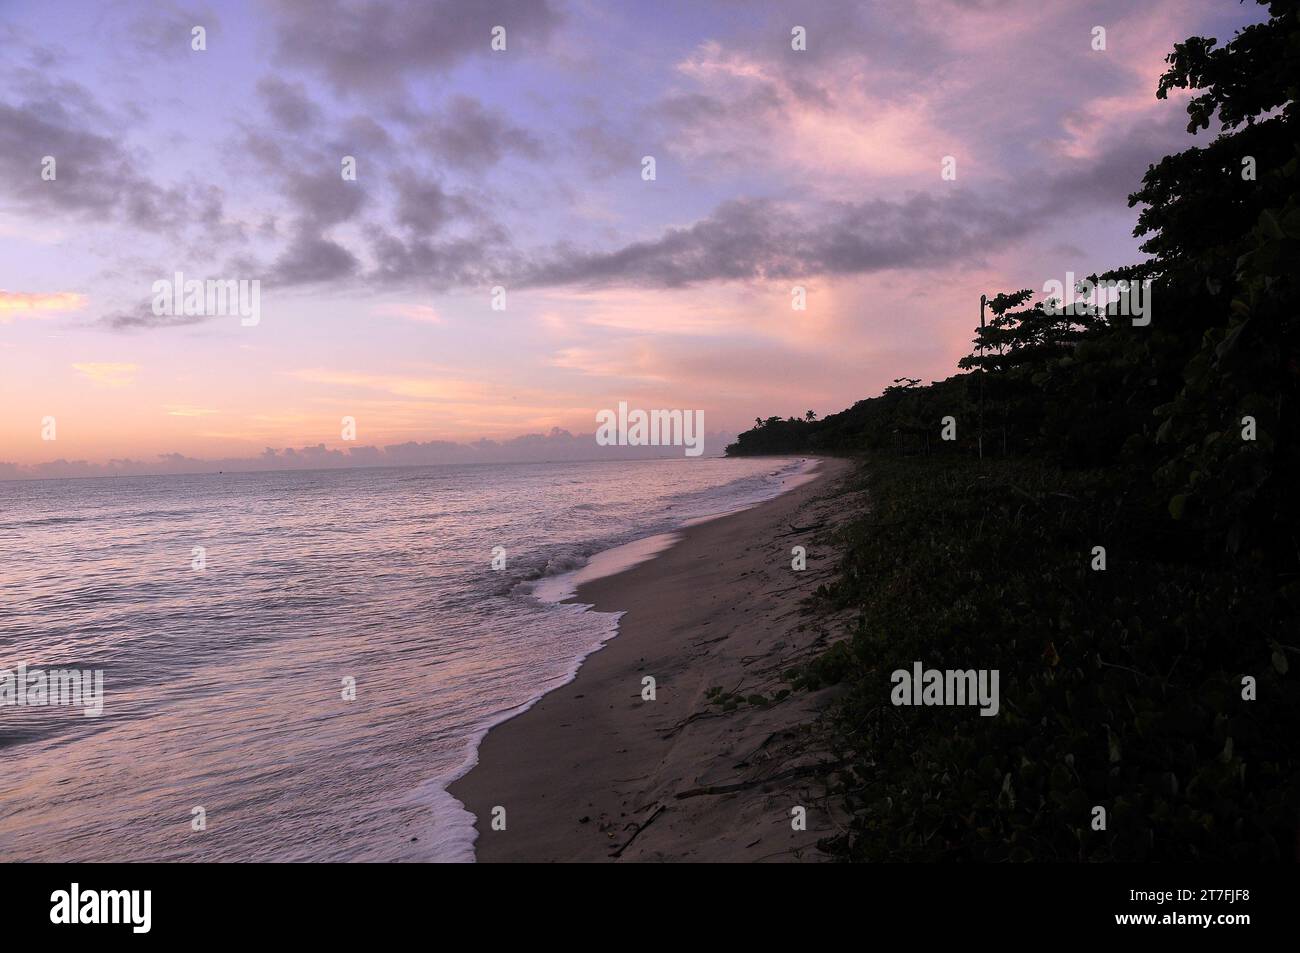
(1173, 442)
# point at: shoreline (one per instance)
(585, 770)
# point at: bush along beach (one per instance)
(1102, 508)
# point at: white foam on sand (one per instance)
(455, 841)
(602, 564)
(617, 559)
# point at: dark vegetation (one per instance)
(1172, 445)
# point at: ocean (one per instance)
(297, 663)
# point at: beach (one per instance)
(371, 636)
(706, 771)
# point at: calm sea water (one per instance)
(224, 687)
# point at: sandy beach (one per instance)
(595, 772)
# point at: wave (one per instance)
(676, 513)
(46, 521)
(555, 581)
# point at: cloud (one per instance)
(847, 116)
(311, 259)
(374, 46)
(322, 197)
(94, 176)
(412, 387)
(757, 239)
(288, 103)
(467, 136)
(423, 206)
(761, 239)
(319, 199)
(19, 304)
(141, 317)
(108, 375)
(554, 445)
(412, 312)
(459, 262)
(1113, 166)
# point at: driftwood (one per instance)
(669, 732)
(640, 827)
(743, 785)
(721, 638)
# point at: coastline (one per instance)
(592, 771)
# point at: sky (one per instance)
(523, 169)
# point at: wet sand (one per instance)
(595, 772)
